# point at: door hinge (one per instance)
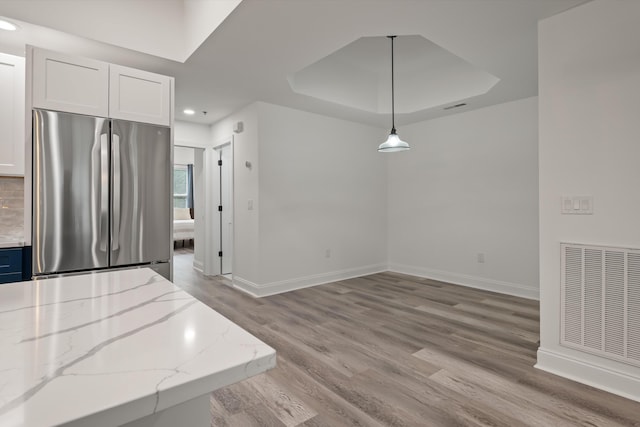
(219, 162)
(220, 208)
(220, 253)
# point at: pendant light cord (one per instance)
(393, 102)
(393, 142)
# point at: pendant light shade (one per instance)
(393, 142)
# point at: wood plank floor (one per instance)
(396, 350)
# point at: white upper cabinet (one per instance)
(95, 88)
(12, 111)
(69, 83)
(139, 96)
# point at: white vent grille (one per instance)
(600, 305)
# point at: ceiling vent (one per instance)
(451, 107)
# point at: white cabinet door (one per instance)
(12, 113)
(71, 84)
(139, 96)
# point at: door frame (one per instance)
(211, 193)
(212, 264)
(218, 154)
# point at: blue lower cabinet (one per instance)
(10, 265)
(10, 277)
(26, 263)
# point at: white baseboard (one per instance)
(245, 286)
(508, 288)
(198, 266)
(263, 290)
(597, 376)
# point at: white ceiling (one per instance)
(359, 76)
(171, 29)
(254, 53)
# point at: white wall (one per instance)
(322, 187)
(191, 134)
(316, 184)
(469, 185)
(183, 155)
(589, 145)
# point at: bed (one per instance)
(183, 225)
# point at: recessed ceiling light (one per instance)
(8, 26)
(189, 112)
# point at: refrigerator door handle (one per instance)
(115, 157)
(104, 191)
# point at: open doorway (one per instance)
(187, 204)
(208, 247)
(183, 198)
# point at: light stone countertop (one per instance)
(6, 242)
(108, 348)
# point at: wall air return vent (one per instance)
(600, 301)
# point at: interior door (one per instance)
(141, 193)
(226, 202)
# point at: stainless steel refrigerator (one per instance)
(102, 194)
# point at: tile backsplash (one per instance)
(12, 207)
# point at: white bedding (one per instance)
(183, 229)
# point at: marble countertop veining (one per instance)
(112, 347)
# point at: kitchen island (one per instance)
(116, 348)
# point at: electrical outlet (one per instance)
(327, 253)
(480, 257)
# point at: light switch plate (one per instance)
(576, 205)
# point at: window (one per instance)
(180, 183)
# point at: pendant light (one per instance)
(393, 142)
